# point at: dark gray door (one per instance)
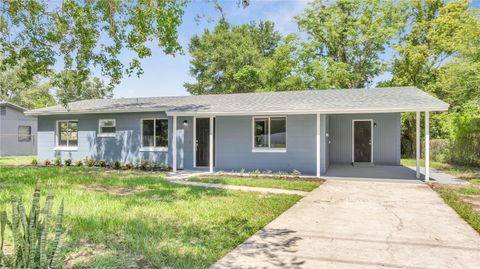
(362, 141)
(202, 131)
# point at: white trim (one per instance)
(154, 133)
(417, 146)
(174, 145)
(210, 146)
(194, 142)
(427, 146)
(226, 113)
(318, 145)
(269, 148)
(100, 134)
(154, 149)
(371, 138)
(65, 148)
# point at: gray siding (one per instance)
(234, 146)
(125, 146)
(386, 137)
(9, 123)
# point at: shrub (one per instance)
(102, 163)
(68, 162)
(47, 162)
(90, 162)
(242, 171)
(256, 173)
(465, 136)
(144, 165)
(267, 172)
(30, 234)
(136, 164)
(164, 166)
(117, 164)
(58, 161)
(296, 173)
(129, 165)
(79, 163)
(34, 162)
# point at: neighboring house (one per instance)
(17, 131)
(278, 131)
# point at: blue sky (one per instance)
(164, 75)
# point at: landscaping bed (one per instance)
(125, 219)
(287, 183)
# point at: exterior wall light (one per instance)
(374, 125)
(185, 123)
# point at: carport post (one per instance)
(318, 144)
(174, 145)
(417, 147)
(210, 146)
(427, 146)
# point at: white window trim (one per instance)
(100, 134)
(269, 149)
(153, 149)
(65, 148)
(353, 138)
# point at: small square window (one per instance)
(107, 127)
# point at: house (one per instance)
(303, 130)
(17, 131)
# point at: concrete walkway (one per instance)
(239, 188)
(350, 224)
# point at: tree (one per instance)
(84, 34)
(346, 39)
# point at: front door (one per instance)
(362, 141)
(202, 141)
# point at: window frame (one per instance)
(57, 137)
(154, 148)
(101, 134)
(28, 137)
(269, 148)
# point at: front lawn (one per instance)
(132, 219)
(464, 172)
(280, 183)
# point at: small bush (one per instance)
(90, 162)
(102, 163)
(68, 162)
(164, 166)
(153, 164)
(256, 173)
(58, 161)
(79, 163)
(47, 162)
(117, 164)
(136, 164)
(242, 171)
(34, 162)
(144, 165)
(267, 172)
(129, 165)
(296, 173)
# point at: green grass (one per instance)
(16, 160)
(159, 224)
(464, 172)
(454, 199)
(288, 184)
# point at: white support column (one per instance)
(174, 144)
(318, 145)
(210, 145)
(417, 147)
(427, 146)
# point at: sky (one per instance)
(164, 75)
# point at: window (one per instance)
(67, 133)
(270, 133)
(155, 133)
(24, 133)
(107, 128)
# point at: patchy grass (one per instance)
(126, 219)
(466, 207)
(16, 160)
(277, 183)
(464, 172)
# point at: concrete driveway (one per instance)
(348, 224)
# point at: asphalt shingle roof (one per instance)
(395, 99)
